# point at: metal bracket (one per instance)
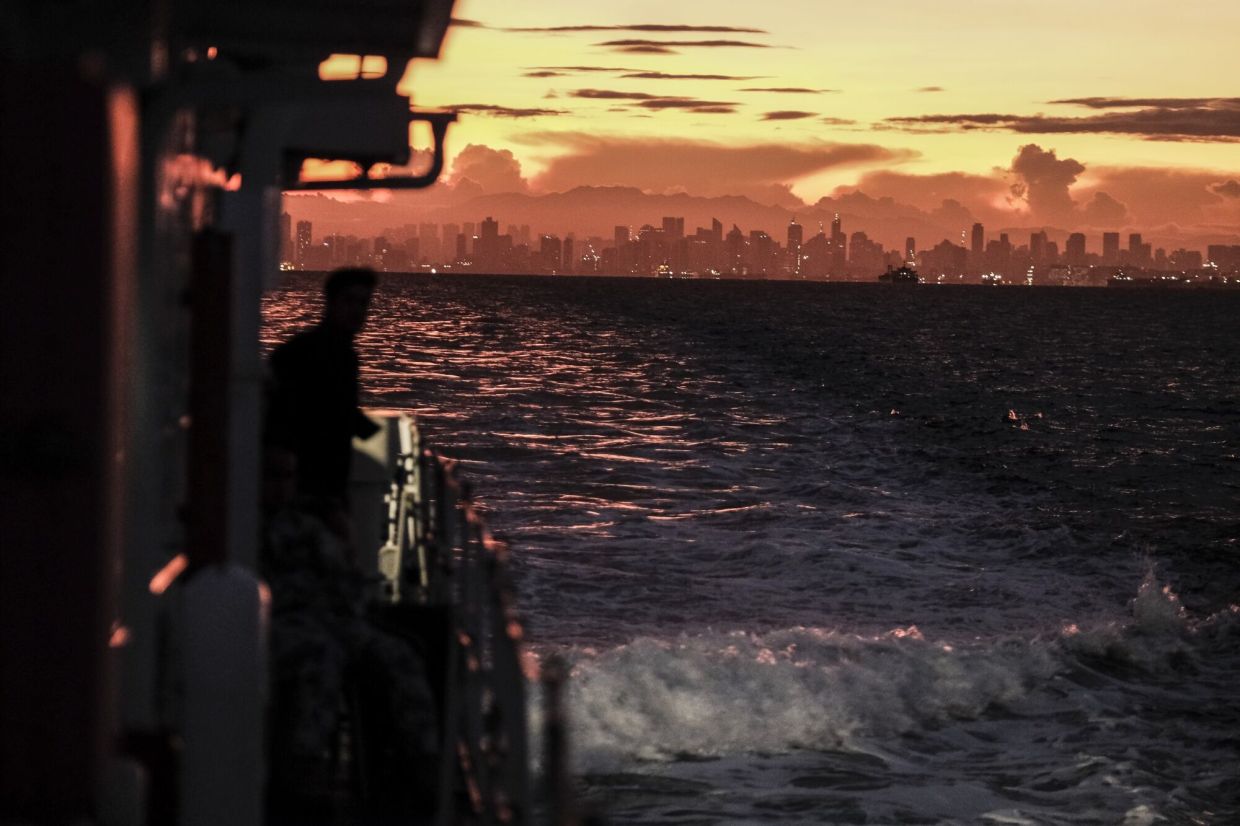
(439, 128)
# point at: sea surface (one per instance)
(825, 553)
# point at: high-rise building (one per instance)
(673, 228)
(428, 240)
(1074, 250)
(839, 245)
(795, 235)
(978, 245)
(486, 250)
(550, 253)
(1110, 248)
(910, 251)
(286, 238)
(567, 264)
(1037, 247)
(620, 236)
(303, 244)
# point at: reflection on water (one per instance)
(812, 467)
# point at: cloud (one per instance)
(581, 69)
(659, 102)
(1062, 192)
(1185, 119)
(1043, 180)
(647, 49)
(668, 76)
(930, 89)
(985, 196)
(613, 94)
(787, 114)
(790, 90)
(544, 73)
(1137, 103)
(630, 44)
(1230, 189)
(637, 27)
(1104, 211)
(463, 23)
(493, 170)
(836, 121)
(493, 110)
(1157, 196)
(763, 172)
(686, 103)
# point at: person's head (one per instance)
(347, 293)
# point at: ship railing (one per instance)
(440, 562)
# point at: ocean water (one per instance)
(853, 553)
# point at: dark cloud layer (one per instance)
(1216, 119)
(931, 89)
(581, 69)
(1229, 189)
(496, 111)
(670, 76)
(789, 90)
(659, 102)
(1138, 103)
(692, 104)
(612, 94)
(667, 44)
(646, 49)
(787, 114)
(639, 27)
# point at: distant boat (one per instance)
(903, 275)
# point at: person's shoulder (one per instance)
(306, 341)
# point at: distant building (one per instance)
(795, 231)
(673, 228)
(910, 250)
(1110, 248)
(302, 248)
(1074, 250)
(978, 241)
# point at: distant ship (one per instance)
(903, 275)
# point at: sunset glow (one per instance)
(1131, 108)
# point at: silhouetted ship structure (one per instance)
(901, 275)
(142, 151)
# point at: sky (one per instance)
(1089, 113)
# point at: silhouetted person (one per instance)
(314, 394)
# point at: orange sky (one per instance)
(793, 100)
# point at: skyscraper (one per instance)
(1110, 248)
(620, 236)
(910, 251)
(839, 245)
(673, 228)
(1074, 250)
(303, 244)
(979, 241)
(795, 234)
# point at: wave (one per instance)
(721, 693)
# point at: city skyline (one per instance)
(1060, 115)
(834, 255)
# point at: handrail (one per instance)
(439, 553)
